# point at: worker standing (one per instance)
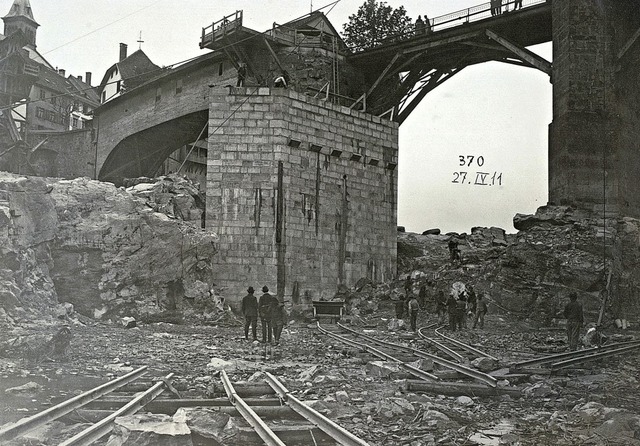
(264, 310)
(250, 312)
(575, 318)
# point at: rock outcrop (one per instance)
(107, 250)
(529, 274)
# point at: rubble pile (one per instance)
(529, 274)
(103, 249)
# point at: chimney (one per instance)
(80, 78)
(123, 52)
(61, 72)
(87, 78)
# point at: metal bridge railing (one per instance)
(458, 18)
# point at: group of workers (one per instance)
(496, 6)
(461, 305)
(272, 315)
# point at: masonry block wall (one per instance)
(625, 18)
(594, 149)
(580, 133)
(302, 193)
(73, 154)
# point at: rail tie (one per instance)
(103, 427)
(261, 428)
(25, 425)
(343, 436)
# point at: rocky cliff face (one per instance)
(107, 250)
(529, 274)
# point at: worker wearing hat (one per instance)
(250, 312)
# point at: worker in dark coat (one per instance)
(575, 318)
(264, 311)
(452, 309)
(250, 312)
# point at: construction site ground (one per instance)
(596, 403)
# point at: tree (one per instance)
(374, 22)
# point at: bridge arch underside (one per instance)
(143, 153)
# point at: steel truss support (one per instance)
(428, 83)
(527, 56)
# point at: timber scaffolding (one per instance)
(238, 42)
(229, 30)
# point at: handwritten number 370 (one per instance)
(467, 160)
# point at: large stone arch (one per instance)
(142, 153)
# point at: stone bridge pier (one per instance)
(594, 139)
(301, 192)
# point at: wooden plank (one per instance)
(459, 389)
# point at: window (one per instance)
(43, 94)
(118, 86)
(53, 100)
(104, 96)
(51, 116)
(159, 94)
(40, 112)
(179, 86)
(220, 68)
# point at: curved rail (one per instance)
(443, 348)
(382, 355)
(267, 435)
(25, 425)
(343, 436)
(466, 347)
(472, 373)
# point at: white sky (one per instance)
(498, 111)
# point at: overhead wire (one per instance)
(102, 27)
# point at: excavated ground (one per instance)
(594, 405)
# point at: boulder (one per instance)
(485, 364)
(434, 231)
(382, 369)
(209, 425)
(149, 430)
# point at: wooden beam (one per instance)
(629, 44)
(528, 56)
(459, 388)
(378, 80)
(273, 53)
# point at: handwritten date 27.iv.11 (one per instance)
(476, 177)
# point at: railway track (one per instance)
(557, 362)
(263, 413)
(445, 369)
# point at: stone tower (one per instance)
(20, 17)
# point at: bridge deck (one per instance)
(450, 45)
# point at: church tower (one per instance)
(20, 17)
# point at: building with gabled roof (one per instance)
(129, 72)
(53, 100)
